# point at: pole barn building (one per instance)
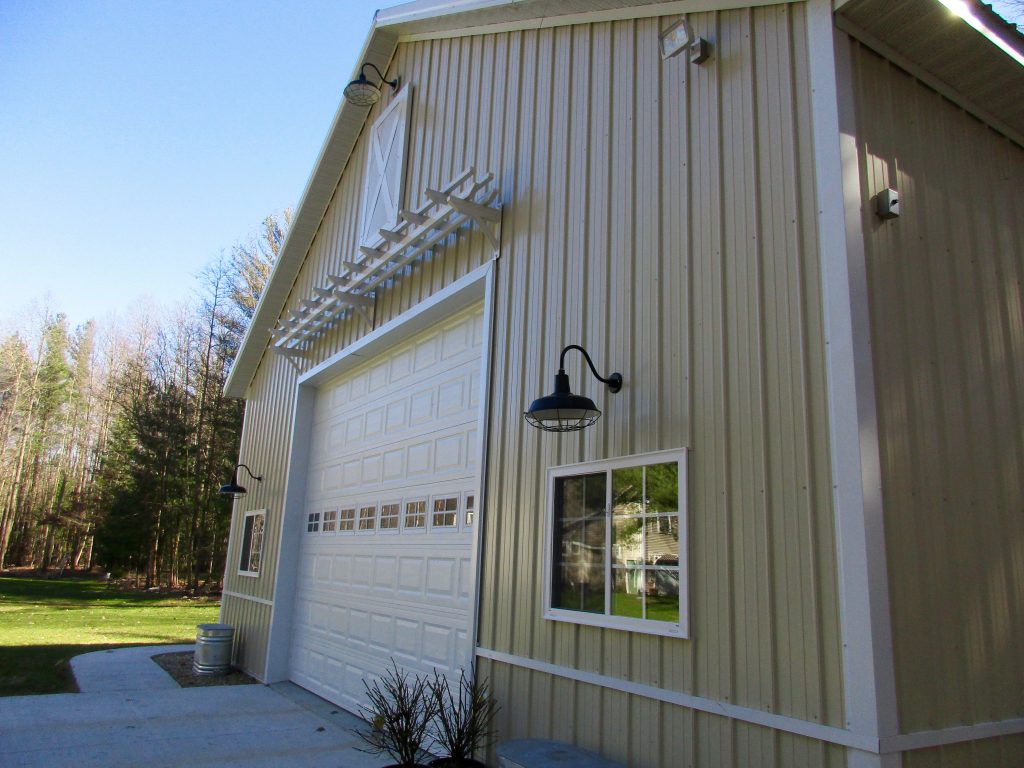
(795, 537)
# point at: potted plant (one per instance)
(462, 719)
(398, 717)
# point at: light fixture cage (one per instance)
(570, 422)
(362, 93)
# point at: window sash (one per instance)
(250, 554)
(657, 580)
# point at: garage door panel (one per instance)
(445, 398)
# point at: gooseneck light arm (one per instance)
(614, 380)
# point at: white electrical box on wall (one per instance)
(887, 204)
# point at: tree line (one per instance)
(116, 436)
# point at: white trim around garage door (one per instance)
(472, 288)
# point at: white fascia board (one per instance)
(348, 121)
(406, 20)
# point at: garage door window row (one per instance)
(443, 513)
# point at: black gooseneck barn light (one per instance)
(362, 93)
(233, 489)
(562, 411)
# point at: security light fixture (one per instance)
(233, 489)
(562, 411)
(363, 93)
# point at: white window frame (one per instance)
(606, 620)
(359, 518)
(380, 516)
(354, 519)
(248, 555)
(465, 510)
(333, 522)
(313, 523)
(457, 497)
(418, 529)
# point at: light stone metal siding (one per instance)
(662, 215)
(946, 290)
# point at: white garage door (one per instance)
(385, 568)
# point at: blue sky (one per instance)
(139, 139)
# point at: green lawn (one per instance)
(44, 622)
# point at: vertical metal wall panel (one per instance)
(946, 297)
(1003, 751)
(662, 215)
(249, 620)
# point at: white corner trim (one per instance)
(242, 596)
(869, 685)
(486, 374)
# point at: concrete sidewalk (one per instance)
(131, 713)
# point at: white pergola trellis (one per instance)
(464, 199)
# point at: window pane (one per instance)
(256, 543)
(416, 514)
(444, 512)
(662, 539)
(348, 517)
(579, 543)
(579, 588)
(662, 588)
(627, 540)
(627, 592)
(330, 520)
(628, 491)
(389, 516)
(662, 487)
(243, 561)
(367, 518)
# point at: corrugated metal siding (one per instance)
(663, 216)
(250, 620)
(646, 733)
(1007, 750)
(946, 285)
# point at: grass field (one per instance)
(44, 622)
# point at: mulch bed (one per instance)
(179, 666)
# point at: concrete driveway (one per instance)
(131, 713)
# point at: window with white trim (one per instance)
(251, 552)
(367, 518)
(313, 522)
(389, 516)
(470, 512)
(330, 521)
(347, 520)
(616, 548)
(416, 514)
(445, 512)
